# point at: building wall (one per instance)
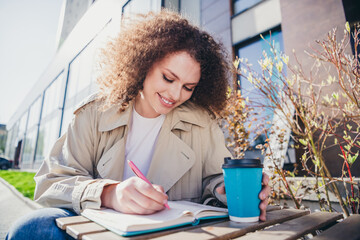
(304, 22)
(255, 20)
(216, 19)
(3, 137)
(71, 13)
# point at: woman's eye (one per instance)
(188, 89)
(166, 79)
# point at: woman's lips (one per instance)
(166, 102)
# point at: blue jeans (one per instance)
(39, 224)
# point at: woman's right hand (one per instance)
(134, 196)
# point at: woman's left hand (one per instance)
(263, 195)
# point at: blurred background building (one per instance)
(47, 110)
(3, 136)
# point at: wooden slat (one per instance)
(179, 229)
(78, 230)
(296, 228)
(103, 236)
(270, 208)
(63, 222)
(229, 229)
(348, 229)
(112, 236)
(184, 229)
(160, 233)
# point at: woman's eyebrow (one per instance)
(174, 75)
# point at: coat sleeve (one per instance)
(66, 177)
(215, 153)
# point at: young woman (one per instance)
(163, 86)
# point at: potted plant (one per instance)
(321, 114)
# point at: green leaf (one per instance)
(331, 79)
(303, 142)
(335, 96)
(347, 27)
(349, 127)
(320, 184)
(347, 147)
(352, 159)
(316, 162)
(236, 63)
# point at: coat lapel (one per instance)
(172, 157)
(113, 161)
(111, 164)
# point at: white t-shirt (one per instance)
(141, 141)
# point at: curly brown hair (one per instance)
(127, 59)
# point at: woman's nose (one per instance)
(175, 92)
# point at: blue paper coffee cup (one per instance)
(243, 184)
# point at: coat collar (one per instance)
(112, 118)
(181, 117)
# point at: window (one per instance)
(20, 137)
(48, 133)
(11, 141)
(50, 119)
(253, 50)
(172, 4)
(22, 125)
(34, 114)
(31, 134)
(242, 5)
(66, 119)
(81, 81)
(53, 98)
(80, 76)
(351, 9)
(29, 149)
(140, 6)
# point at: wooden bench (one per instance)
(348, 229)
(280, 224)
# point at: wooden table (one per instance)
(280, 224)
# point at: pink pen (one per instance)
(141, 175)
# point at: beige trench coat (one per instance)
(187, 159)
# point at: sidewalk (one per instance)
(13, 205)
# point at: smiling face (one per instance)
(169, 83)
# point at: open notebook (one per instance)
(180, 213)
